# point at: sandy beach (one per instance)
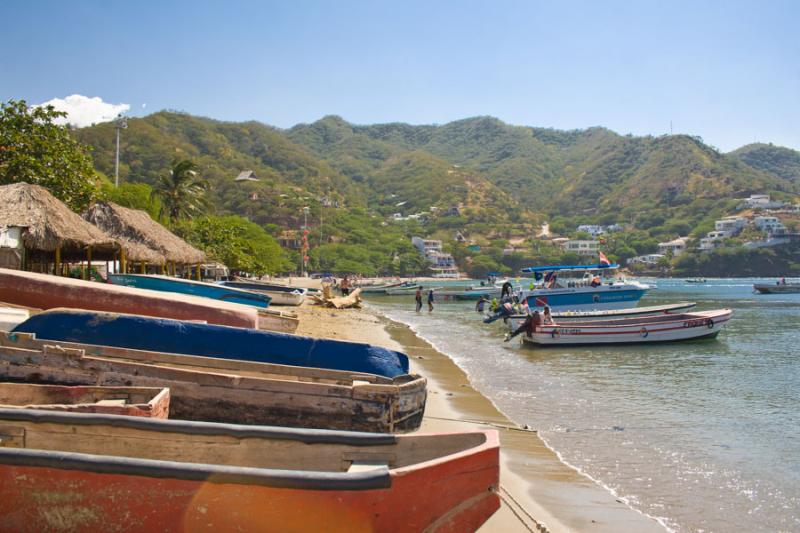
(538, 491)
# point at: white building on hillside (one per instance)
(592, 229)
(442, 263)
(676, 246)
(732, 225)
(581, 247)
(648, 260)
(761, 201)
(768, 224)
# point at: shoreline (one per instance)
(539, 491)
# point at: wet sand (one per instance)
(538, 491)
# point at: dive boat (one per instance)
(580, 294)
(100, 473)
(221, 390)
(590, 316)
(191, 287)
(644, 330)
(43, 291)
(278, 294)
(777, 288)
(149, 402)
(210, 340)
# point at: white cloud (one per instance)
(84, 111)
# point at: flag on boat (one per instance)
(604, 260)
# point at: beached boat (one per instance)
(131, 474)
(277, 320)
(11, 316)
(653, 329)
(590, 316)
(278, 294)
(382, 288)
(209, 340)
(149, 402)
(191, 287)
(696, 280)
(579, 294)
(777, 288)
(42, 291)
(222, 390)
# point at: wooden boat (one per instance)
(591, 316)
(222, 390)
(209, 340)
(191, 287)
(777, 288)
(11, 316)
(102, 473)
(277, 320)
(41, 291)
(381, 288)
(150, 402)
(654, 329)
(278, 294)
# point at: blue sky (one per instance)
(727, 71)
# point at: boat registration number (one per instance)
(569, 331)
(695, 323)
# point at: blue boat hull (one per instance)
(189, 338)
(582, 300)
(194, 288)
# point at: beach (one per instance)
(538, 491)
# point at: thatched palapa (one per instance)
(50, 226)
(133, 227)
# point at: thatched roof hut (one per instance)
(135, 227)
(49, 225)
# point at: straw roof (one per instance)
(49, 223)
(132, 226)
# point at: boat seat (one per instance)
(366, 466)
(120, 402)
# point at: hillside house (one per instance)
(731, 225)
(675, 246)
(647, 260)
(592, 229)
(246, 175)
(581, 246)
(761, 201)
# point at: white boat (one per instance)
(777, 288)
(645, 330)
(592, 316)
(579, 294)
(279, 294)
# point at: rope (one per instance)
(507, 496)
(484, 423)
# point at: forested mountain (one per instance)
(504, 180)
(780, 161)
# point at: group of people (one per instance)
(418, 298)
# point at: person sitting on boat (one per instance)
(783, 280)
(505, 291)
(596, 281)
(547, 318)
(529, 326)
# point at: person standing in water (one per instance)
(480, 305)
(418, 297)
(430, 300)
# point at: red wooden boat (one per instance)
(81, 472)
(149, 402)
(42, 291)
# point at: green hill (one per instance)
(780, 161)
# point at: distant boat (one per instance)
(696, 280)
(592, 316)
(171, 475)
(208, 340)
(191, 287)
(222, 390)
(777, 288)
(645, 330)
(279, 294)
(148, 402)
(579, 294)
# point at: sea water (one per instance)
(703, 435)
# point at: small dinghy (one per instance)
(646, 330)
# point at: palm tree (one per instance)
(182, 192)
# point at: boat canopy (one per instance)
(551, 268)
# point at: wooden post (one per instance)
(143, 267)
(163, 269)
(89, 263)
(57, 266)
(122, 263)
(197, 272)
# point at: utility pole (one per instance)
(120, 123)
(304, 249)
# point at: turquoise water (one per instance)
(704, 435)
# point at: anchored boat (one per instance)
(222, 390)
(654, 329)
(132, 474)
(149, 402)
(278, 294)
(191, 287)
(209, 340)
(777, 288)
(581, 294)
(591, 316)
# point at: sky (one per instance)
(728, 71)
